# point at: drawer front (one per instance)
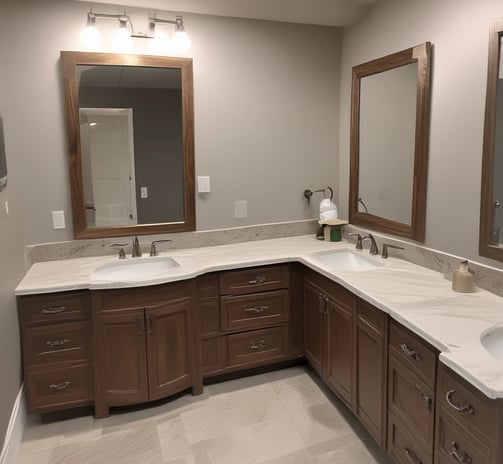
(257, 345)
(253, 280)
(254, 311)
(56, 307)
(411, 401)
(413, 352)
(372, 316)
(57, 342)
(60, 388)
(470, 407)
(214, 355)
(403, 447)
(455, 444)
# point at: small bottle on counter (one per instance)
(462, 279)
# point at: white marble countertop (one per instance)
(417, 297)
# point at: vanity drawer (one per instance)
(57, 342)
(258, 279)
(255, 310)
(403, 447)
(411, 401)
(54, 389)
(372, 316)
(258, 345)
(54, 307)
(467, 405)
(455, 444)
(414, 352)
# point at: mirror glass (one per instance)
(491, 211)
(389, 132)
(132, 166)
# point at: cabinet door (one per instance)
(313, 323)
(371, 375)
(168, 346)
(339, 367)
(121, 357)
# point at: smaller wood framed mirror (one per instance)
(390, 119)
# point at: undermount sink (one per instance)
(492, 341)
(134, 269)
(347, 260)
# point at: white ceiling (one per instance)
(322, 12)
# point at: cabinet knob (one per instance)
(256, 309)
(53, 310)
(424, 397)
(59, 386)
(257, 280)
(57, 343)
(259, 346)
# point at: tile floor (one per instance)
(280, 417)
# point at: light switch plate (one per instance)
(143, 192)
(58, 220)
(203, 184)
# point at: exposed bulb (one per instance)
(90, 36)
(122, 41)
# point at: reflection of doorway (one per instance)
(108, 166)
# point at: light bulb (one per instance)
(180, 41)
(90, 35)
(122, 42)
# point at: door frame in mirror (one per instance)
(486, 246)
(416, 229)
(70, 60)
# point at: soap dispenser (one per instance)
(462, 279)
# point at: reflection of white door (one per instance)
(111, 165)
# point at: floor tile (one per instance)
(173, 439)
(353, 452)
(299, 457)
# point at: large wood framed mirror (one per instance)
(491, 211)
(390, 119)
(130, 123)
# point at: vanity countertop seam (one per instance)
(419, 298)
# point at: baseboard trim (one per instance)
(15, 429)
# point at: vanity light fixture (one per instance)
(91, 36)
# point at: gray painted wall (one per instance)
(459, 31)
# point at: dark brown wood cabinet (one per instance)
(57, 350)
(144, 344)
(411, 396)
(469, 426)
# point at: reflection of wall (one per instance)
(498, 165)
(157, 146)
(387, 132)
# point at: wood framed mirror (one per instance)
(390, 119)
(491, 212)
(130, 123)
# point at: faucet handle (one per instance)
(153, 249)
(122, 253)
(385, 247)
(358, 241)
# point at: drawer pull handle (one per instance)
(139, 325)
(410, 353)
(257, 280)
(411, 457)
(58, 343)
(149, 325)
(424, 397)
(258, 346)
(256, 309)
(53, 310)
(462, 408)
(322, 303)
(59, 386)
(459, 455)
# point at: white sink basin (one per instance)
(134, 269)
(492, 341)
(348, 260)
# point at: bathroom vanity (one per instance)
(425, 391)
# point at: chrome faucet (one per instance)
(373, 245)
(136, 252)
(153, 249)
